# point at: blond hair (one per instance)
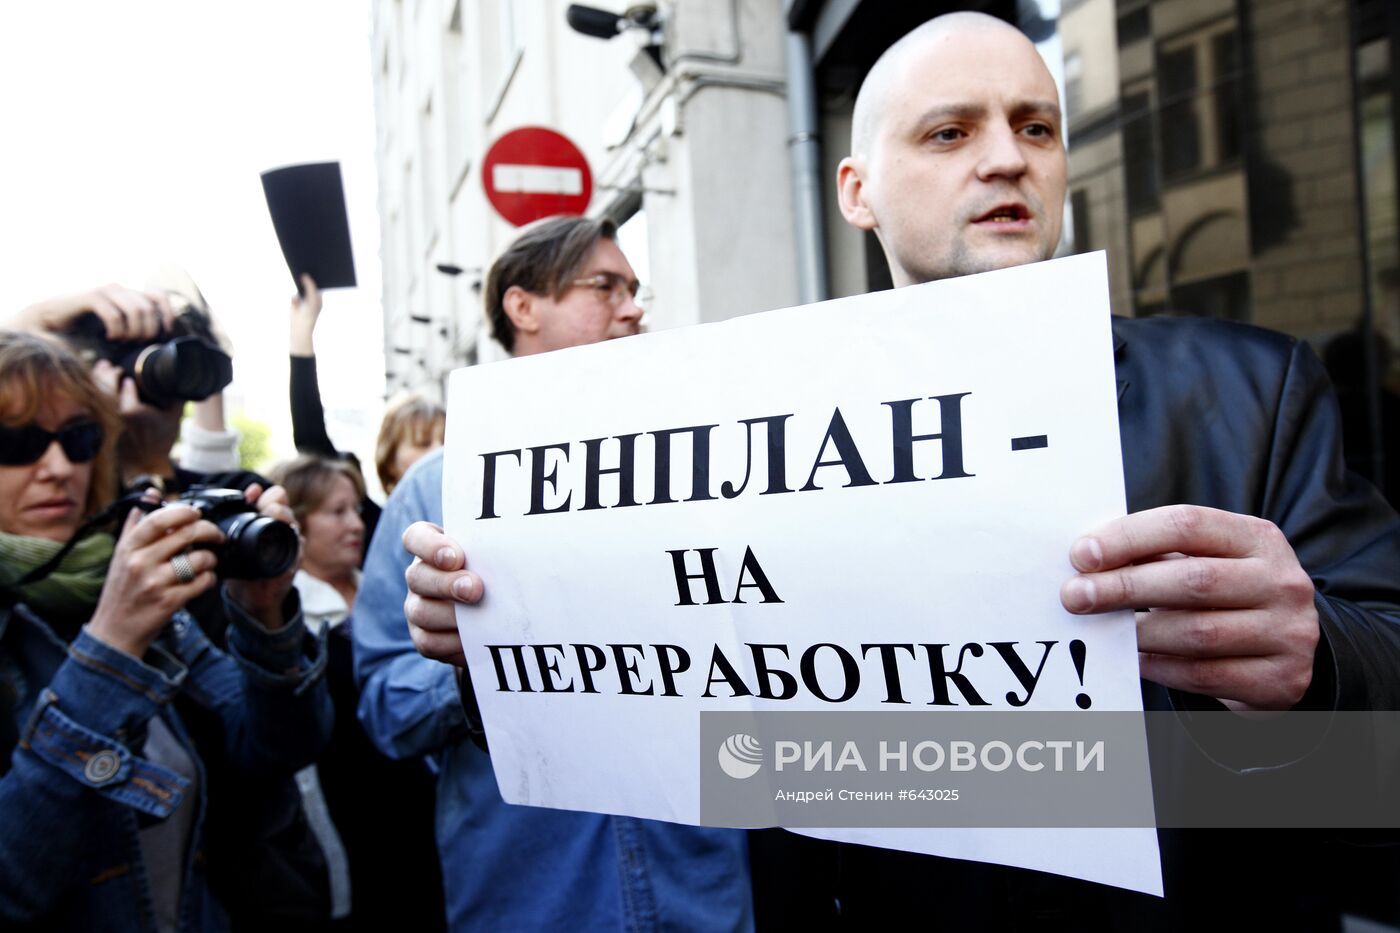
(409, 418)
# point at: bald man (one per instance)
(958, 166)
(957, 157)
(1282, 593)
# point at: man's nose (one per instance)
(629, 311)
(1001, 155)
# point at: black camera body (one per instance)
(166, 370)
(255, 547)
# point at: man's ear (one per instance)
(520, 308)
(850, 192)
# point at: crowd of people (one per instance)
(186, 667)
(237, 701)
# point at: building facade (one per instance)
(1234, 157)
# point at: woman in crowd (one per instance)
(308, 414)
(413, 425)
(378, 839)
(102, 787)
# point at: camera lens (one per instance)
(255, 547)
(183, 369)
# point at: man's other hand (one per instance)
(437, 579)
(1224, 607)
(126, 314)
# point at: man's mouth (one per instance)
(1005, 214)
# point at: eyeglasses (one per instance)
(611, 287)
(22, 446)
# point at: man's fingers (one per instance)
(433, 627)
(431, 615)
(1193, 583)
(1203, 676)
(439, 646)
(107, 376)
(427, 581)
(428, 542)
(1267, 683)
(164, 312)
(1174, 555)
(113, 318)
(128, 396)
(1210, 634)
(1189, 529)
(139, 311)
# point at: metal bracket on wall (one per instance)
(636, 189)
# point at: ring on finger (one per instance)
(184, 570)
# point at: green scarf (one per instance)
(70, 592)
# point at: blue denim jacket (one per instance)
(514, 867)
(76, 789)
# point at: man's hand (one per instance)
(148, 433)
(437, 578)
(121, 387)
(1230, 611)
(306, 308)
(126, 314)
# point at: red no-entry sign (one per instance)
(535, 172)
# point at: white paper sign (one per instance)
(803, 465)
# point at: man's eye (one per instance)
(949, 135)
(1039, 129)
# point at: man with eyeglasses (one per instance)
(563, 283)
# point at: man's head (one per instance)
(957, 157)
(563, 283)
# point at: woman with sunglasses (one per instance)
(102, 788)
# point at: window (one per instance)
(1181, 131)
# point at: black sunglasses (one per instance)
(22, 446)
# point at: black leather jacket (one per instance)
(1237, 418)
